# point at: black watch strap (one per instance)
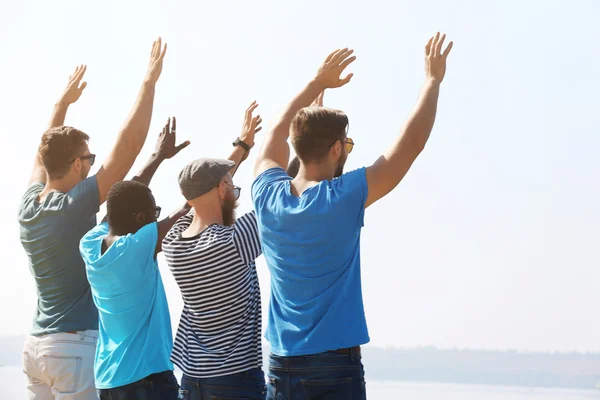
(239, 142)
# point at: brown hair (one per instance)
(59, 147)
(315, 129)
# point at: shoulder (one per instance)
(181, 225)
(146, 233)
(271, 175)
(32, 193)
(88, 186)
(88, 245)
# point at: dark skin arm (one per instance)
(165, 149)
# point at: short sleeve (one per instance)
(246, 238)
(31, 194)
(351, 190)
(142, 244)
(84, 198)
(264, 182)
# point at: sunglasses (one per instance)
(236, 190)
(348, 142)
(91, 157)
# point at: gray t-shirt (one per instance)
(50, 235)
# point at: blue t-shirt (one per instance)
(312, 247)
(135, 338)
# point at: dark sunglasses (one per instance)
(236, 190)
(91, 157)
(156, 210)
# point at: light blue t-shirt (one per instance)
(312, 247)
(135, 338)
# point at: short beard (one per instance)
(228, 210)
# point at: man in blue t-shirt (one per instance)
(135, 339)
(310, 231)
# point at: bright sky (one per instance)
(491, 241)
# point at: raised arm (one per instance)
(135, 130)
(165, 225)
(71, 94)
(165, 149)
(276, 151)
(389, 169)
(245, 141)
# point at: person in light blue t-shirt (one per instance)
(310, 229)
(135, 339)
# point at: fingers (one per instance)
(342, 55)
(330, 56)
(347, 62)
(182, 146)
(173, 125)
(158, 50)
(428, 46)
(438, 45)
(164, 51)
(154, 51)
(447, 51)
(342, 82)
(82, 86)
(250, 110)
(257, 129)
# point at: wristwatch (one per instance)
(239, 142)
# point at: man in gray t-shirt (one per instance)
(58, 208)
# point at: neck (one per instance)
(204, 216)
(59, 185)
(315, 172)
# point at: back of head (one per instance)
(58, 149)
(314, 130)
(124, 202)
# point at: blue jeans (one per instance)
(324, 376)
(160, 386)
(243, 385)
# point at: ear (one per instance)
(221, 190)
(76, 166)
(139, 218)
(336, 150)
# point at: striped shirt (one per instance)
(220, 328)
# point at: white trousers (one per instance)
(60, 366)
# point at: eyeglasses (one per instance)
(348, 142)
(91, 157)
(236, 190)
(156, 210)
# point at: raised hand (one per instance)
(318, 102)
(156, 61)
(165, 145)
(329, 73)
(435, 59)
(251, 125)
(74, 87)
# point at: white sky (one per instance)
(492, 239)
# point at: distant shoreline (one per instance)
(446, 366)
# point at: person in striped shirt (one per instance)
(211, 256)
